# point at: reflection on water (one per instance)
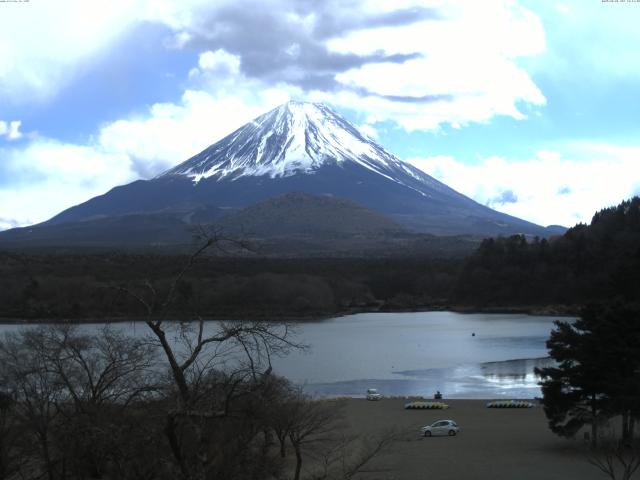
(509, 379)
(514, 371)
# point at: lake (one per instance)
(414, 353)
(418, 353)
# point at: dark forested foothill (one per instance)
(589, 262)
(89, 286)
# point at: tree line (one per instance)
(588, 262)
(81, 287)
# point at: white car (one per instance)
(372, 394)
(441, 427)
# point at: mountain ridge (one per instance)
(301, 147)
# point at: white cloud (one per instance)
(178, 40)
(549, 188)
(219, 64)
(10, 130)
(368, 131)
(44, 44)
(6, 223)
(169, 133)
(468, 59)
(49, 177)
(470, 54)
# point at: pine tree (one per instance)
(597, 373)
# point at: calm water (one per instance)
(414, 354)
(419, 353)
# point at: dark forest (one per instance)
(592, 262)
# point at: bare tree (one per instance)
(315, 429)
(102, 374)
(108, 367)
(618, 460)
(279, 411)
(214, 367)
(353, 455)
(311, 422)
(11, 460)
(69, 391)
(37, 393)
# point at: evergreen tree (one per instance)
(617, 327)
(572, 391)
(597, 371)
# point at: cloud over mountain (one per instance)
(571, 185)
(429, 69)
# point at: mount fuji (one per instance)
(297, 147)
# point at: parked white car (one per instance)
(441, 427)
(372, 394)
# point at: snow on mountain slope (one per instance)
(298, 138)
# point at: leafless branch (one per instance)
(615, 459)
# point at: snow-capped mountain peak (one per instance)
(305, 148)
(296, 137)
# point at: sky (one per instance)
(530, 107)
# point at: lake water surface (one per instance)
(419, 353)
(414, 353)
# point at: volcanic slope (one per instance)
(299, 147)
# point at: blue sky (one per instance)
(529, 107)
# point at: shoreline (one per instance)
(548, 310)
(422, 398)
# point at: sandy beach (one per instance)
(497, 444)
